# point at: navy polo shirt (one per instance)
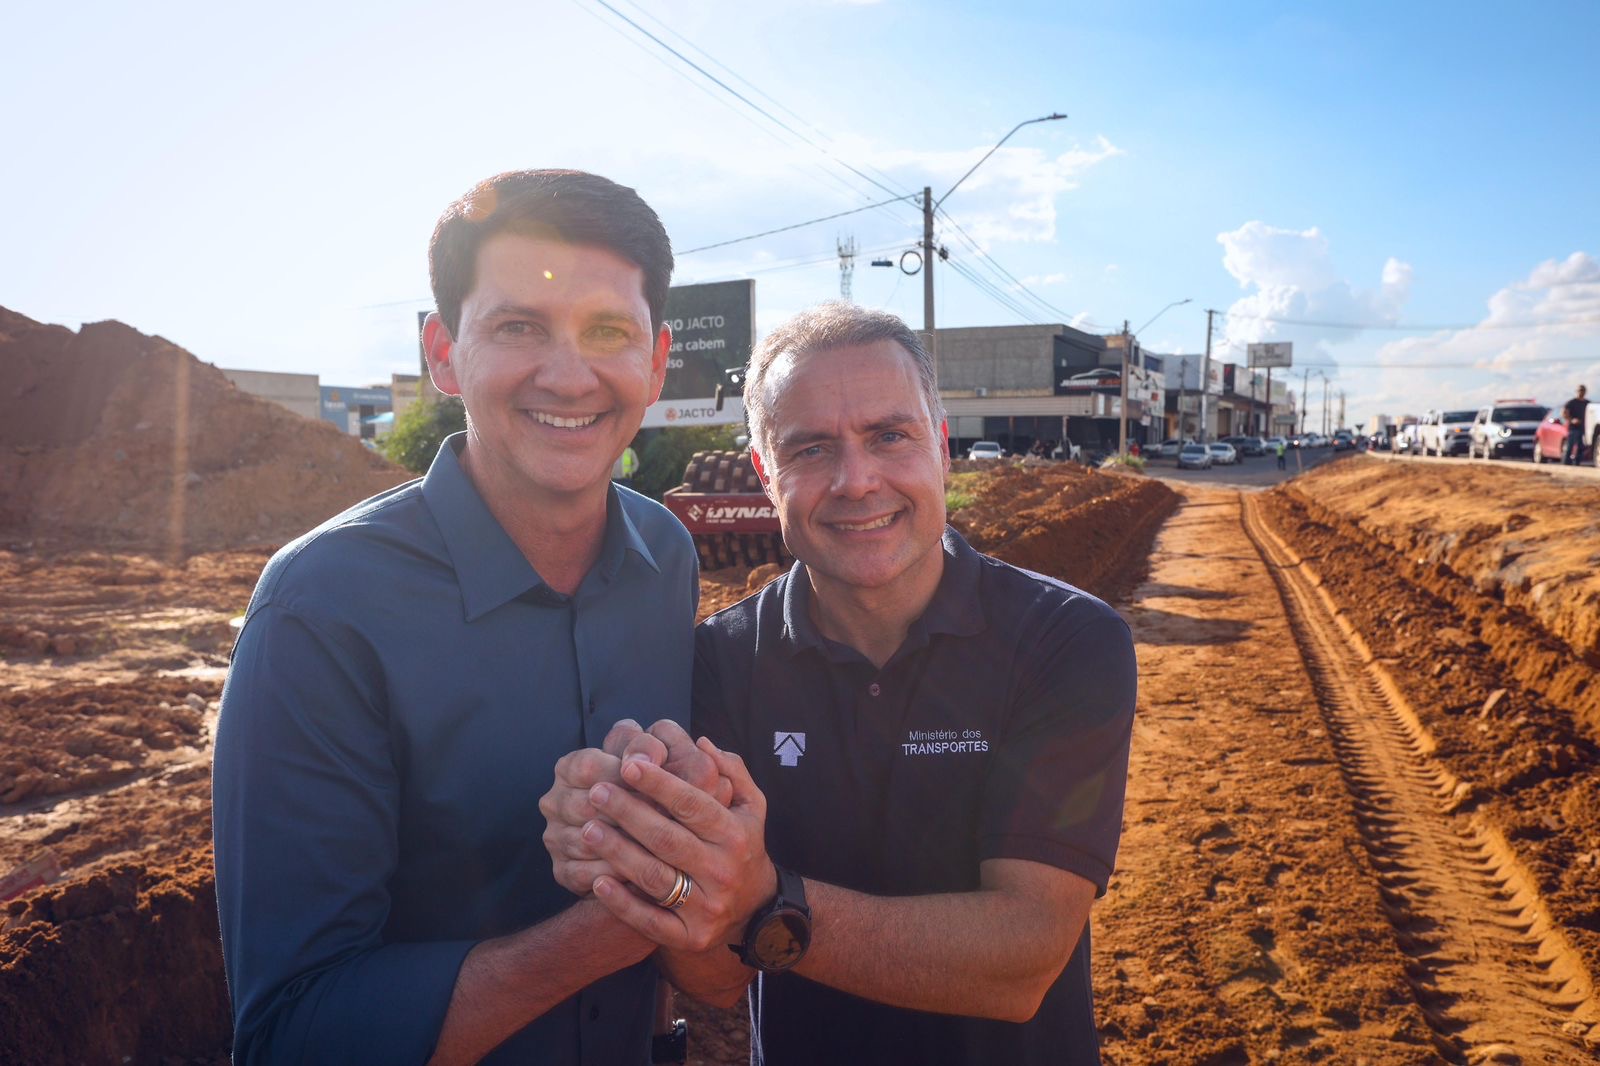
(399, 695)
(999, 729)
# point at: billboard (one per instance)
(1279, 354)
(713, 330)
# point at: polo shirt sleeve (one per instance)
(306, 796)
(1055, 788)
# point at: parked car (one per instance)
(985, 449)
(1550, 439)
(1344, 441)
(1194, 457)
(1505, 428)
(1222, 453)
(1245, 445)
(1405, 441)
(1169, 448)
(1271, 444)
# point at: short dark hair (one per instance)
(823, 328)
(568, 205)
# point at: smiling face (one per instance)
(556, 362)
(856, 465)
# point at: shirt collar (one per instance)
(956, 607)
(489, 566)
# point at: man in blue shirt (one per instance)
(937, 749)
(409, 673)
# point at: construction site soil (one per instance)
(1292, 887)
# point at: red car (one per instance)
(1550, 438)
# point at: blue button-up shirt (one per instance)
(399, 695)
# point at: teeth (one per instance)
(563, 423)
(879, 524)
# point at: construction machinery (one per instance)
(721, 504)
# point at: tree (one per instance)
(661, 465)
(420, 430)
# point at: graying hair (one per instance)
(822, 328)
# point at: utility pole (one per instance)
(1341, 410)
(1305, 398)
(847, 266)
(1205, 381)
(1324, 405)
(1183, 380)
(1268, 433)
(1122, 411)
(927, 260)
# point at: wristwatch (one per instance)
(779, 933)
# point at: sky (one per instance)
(1410, 193)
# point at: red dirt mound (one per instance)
(1089, 529)
(112, 437)
(138, 943)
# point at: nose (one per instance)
(855, 472)
(563, 370)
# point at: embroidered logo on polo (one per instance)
(788, 747)
(944, 742)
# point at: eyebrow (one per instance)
(896, 420)
(516, 310)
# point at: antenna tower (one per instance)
(847, 266)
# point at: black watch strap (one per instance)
(779, 934)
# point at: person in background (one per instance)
(1573, 413)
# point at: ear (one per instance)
(438, 347)
(761, 472)
(658, 363)
(944, 444)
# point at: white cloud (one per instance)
(1291, 275)
(1539, 339)
(1035, 281)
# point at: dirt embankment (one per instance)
(110, 437)
(1513, 707)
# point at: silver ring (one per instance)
(681, 887)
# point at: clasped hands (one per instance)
(623, 819)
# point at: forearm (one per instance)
(507, 982)
(716, 977)
(988, 953)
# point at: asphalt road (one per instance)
(1252, 472)
(1259, 472)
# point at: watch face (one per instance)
(782, 940)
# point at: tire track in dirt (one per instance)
(1493, 975)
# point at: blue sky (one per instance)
(260, 187)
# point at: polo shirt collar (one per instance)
(489, 566)
(956, 607)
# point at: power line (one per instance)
(993, 291)
(736, 94)
(985, 257)
(797, 225)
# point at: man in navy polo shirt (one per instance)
(936, 744)
(409, 673)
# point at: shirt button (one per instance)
(874, 688)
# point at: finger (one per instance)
(636, 814)
(617, 739)
(586, 767)
(579, 877)
(654, 923)
(690, 807)
(731, 766)
(647, 747)
(722, 790)
(567, 806)
(630, 862)
(684, 759)
(566, 844)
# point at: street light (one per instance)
(930, 205)
(1127, 353)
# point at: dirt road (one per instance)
(1363, 818)
(1302, 877)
